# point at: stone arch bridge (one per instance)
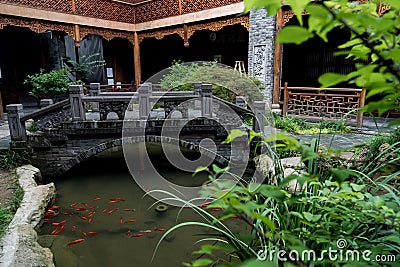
(84, 125)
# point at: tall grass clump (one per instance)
(312, 209)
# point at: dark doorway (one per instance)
(303, 64)
(118, 54)
(21, 54)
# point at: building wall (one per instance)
(261, 50)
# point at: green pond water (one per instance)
(103, 187)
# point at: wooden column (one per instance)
(277, 59)
(136, 55)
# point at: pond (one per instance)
(110, 219)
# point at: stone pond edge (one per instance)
(19, 246)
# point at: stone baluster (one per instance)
(197, 92)
(46, 102)
(17, 128)
(206, 100)
(145, 91)
(94, 90)
(259, 112)
(240, 101)
(75, 99)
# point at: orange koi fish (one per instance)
(59, 223)
(130, 221)
(93, 233)
(73, 204)
(160, 229)
(54, 208)
(137, 235)
(216, 209)
(55, 231)
(120, 220)
(66, 213)
(105, 210)
(113, 201)
(112, 211)
(89, 220)
(145, 231)
(84, 234)
(96, 199)
(75, 242)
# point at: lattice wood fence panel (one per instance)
(330, 103)
(53, 5)
(157, 9)
(189, 6)
(105, 9)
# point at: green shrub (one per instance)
(33, 128)
(48, 85)
(227, 83)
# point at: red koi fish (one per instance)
(130, 221)
(92, 207)
(73, 204)
(104, 211)
(120, 220)
(235, 217)
(137, 235)
(54, 208)
(216, 209)
(97, 199)
(204, 204)
(128, 232)
(80, 209)
(85, 204)
(75, 242)
(120, 199)
(46, 220)
(74, 227)
(84, 233)
(83, 218)
(66, 213)
(89, 220)
(130, 210)
(158, 229)
(93, 233)
(113, 201)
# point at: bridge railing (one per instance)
(81, 107)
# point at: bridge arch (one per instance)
(98, 148)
